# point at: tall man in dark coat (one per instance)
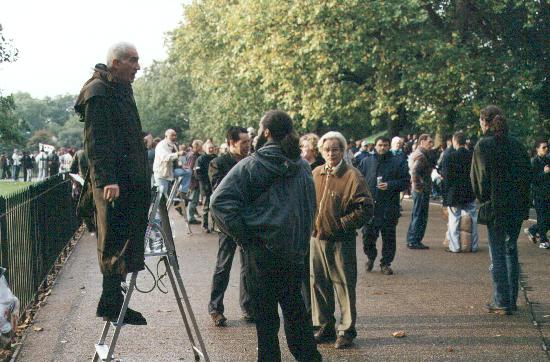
(500, 175)
(458, 195)
(238, 141)
(117, 172)
(386, 175)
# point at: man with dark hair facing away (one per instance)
(239, 144)
(267, 204)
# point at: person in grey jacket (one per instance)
(266, 203)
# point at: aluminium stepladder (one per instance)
(105, 352)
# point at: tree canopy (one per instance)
(359, 65)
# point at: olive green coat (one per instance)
(114, 144)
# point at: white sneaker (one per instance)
(545, 245)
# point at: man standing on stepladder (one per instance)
(117, 174)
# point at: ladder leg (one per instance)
(180, 306)
(191, 315)
(120, 320)
(102, 339)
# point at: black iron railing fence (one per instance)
(35, 225)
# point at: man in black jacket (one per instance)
(117, 174)
(239, 143)
(541, 195)
(201, 170)
(501, 175)
(386, 175)
(458, 195)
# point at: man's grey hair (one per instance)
(168, 132)
(119, 51)
(332, 135)
(394, 142)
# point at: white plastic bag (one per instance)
(9, 306)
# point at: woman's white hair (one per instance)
(119, 51)
(332, 135)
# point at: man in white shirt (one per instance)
(42, 162)
(16, 158)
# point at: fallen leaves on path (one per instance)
(399, 334)
(37, 329)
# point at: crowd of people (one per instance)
(292, 207)
(37, 165)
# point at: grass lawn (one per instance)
(7, 187)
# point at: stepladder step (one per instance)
(102, 351)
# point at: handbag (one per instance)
(486, 214)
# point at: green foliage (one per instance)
(41, 136)
(162, 95)
(360, 65)
(35, 114)
(9, 132)
(71, 135)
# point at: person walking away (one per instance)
(458, 196)
(420, 169)
(117, 175)
(500, 175)
(540, 188)
(201, 170)
(238, 140)
(344, 204)
(386, 176)
(266, 203)
(53, 163)
(27, 166)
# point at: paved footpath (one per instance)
(436, 297)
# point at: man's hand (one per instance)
(546, 168)
(180, 153)
(382, 186)
(111, 192)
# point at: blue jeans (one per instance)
(453, 227)
(419, 217)
(503, 240)
(542, 226)
(193, 203)
(185, 175)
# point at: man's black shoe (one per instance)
(325, 335)
(386, 270)
(369, 265)
(418, 246)
(131, 317)
(492, 308)
(249, 318)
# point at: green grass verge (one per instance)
(8, 187)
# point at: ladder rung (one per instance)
(102, 351)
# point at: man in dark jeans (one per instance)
(541, 195)
(386, 175)
(421, 182)
(238, 142)
(267, 204)
(501, 175)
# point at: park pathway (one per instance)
(436, 297)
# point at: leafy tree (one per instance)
(359, 66)
(41, 136)
(162, 96)
(9, 132)
(71, 135)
